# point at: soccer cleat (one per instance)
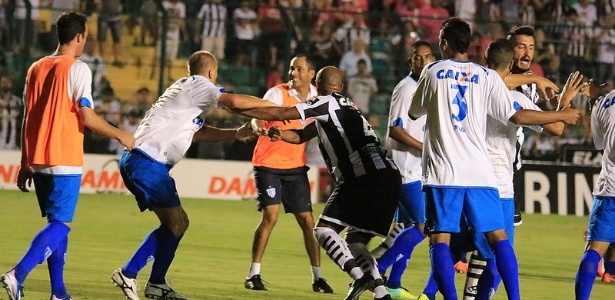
(12, 287)
(608, 278)
(129, 286)
(321, 286)
(359, 286)
(423, 297)
(518, 219)
(401, 293)
(162, 292)
(255, 283)
(53, 297)
(461, 267)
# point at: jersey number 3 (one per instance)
(460, 102)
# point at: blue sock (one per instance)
(508, 268)
(431, 286)
(165, 252)
(443, 270)
(609, 267)
(398, 254)
(56, 262)
(488, 281)
(144, 253)
(41, 247)
(586, 274)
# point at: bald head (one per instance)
(329, 80)
(201, 62)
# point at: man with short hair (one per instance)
(368, 182)
(58, 105)
(161, 142)
(404, 143)
(280, 175)
(457, 96)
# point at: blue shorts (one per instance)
(148, 180)
(481, 207)
(601, 220)
(508, 210)
(411, 207)
(57, 195)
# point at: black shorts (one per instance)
(367, 203)
(289, 187)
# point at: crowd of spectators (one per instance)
(368, 39)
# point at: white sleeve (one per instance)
(398, 111)
(500, 99)
(204, 92)
(424, 92)
(201, 13)
(523, 102)
(274, 95)
(80, 84)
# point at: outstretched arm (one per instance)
(97, 124)
(295, 136)
(534, 117)
(236, 102)
(214, 134)
(542, 84)
(271, 113)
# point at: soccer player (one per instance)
(404, 144)
(600, 232)
(162, 139)
(501, 141)
(457, 95)
(58, 104)
(368, 183)
(280, 175)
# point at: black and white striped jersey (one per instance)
(347, 141)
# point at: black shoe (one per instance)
(255, 283)
(321, 286)
(518, 219)
(359, 286)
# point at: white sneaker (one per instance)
(129, 286)
(162, 292)
(12, 287)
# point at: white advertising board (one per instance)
(195, 178)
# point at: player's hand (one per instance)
(274, 134)
(570, 116)
(546, 88)
(573, 86)
(127, 140)
(24, 178)
(245, 133)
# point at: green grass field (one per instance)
(214, 256)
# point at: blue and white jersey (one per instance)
(603, 131)
(457, 96)
(347, 141)
(407, 159)
(166, 131)
(501, 144)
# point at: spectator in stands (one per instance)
(176, 12)
(246, 25)
(527, 14)
(587, 12)
(466, 10)
(108, 107)
(430, 19)
(321, 12)
(353, 30)
(21, 22)
(604, 37)
(361, 87)
(148, 18)
(407, 11)
(97, 66)
(130, 122)
(213, 38)
(324, 48)
(109, 18)
(10, 114)
(576, 49)
(350, 59)
(141, 100)
(275, 76)
(382, 41)
(273, 32)
(553, 14)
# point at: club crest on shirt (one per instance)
(270, 192)
(198, 121)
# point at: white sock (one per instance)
(316, 273)
(255, 269)
(365, 259)
(380, 291)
